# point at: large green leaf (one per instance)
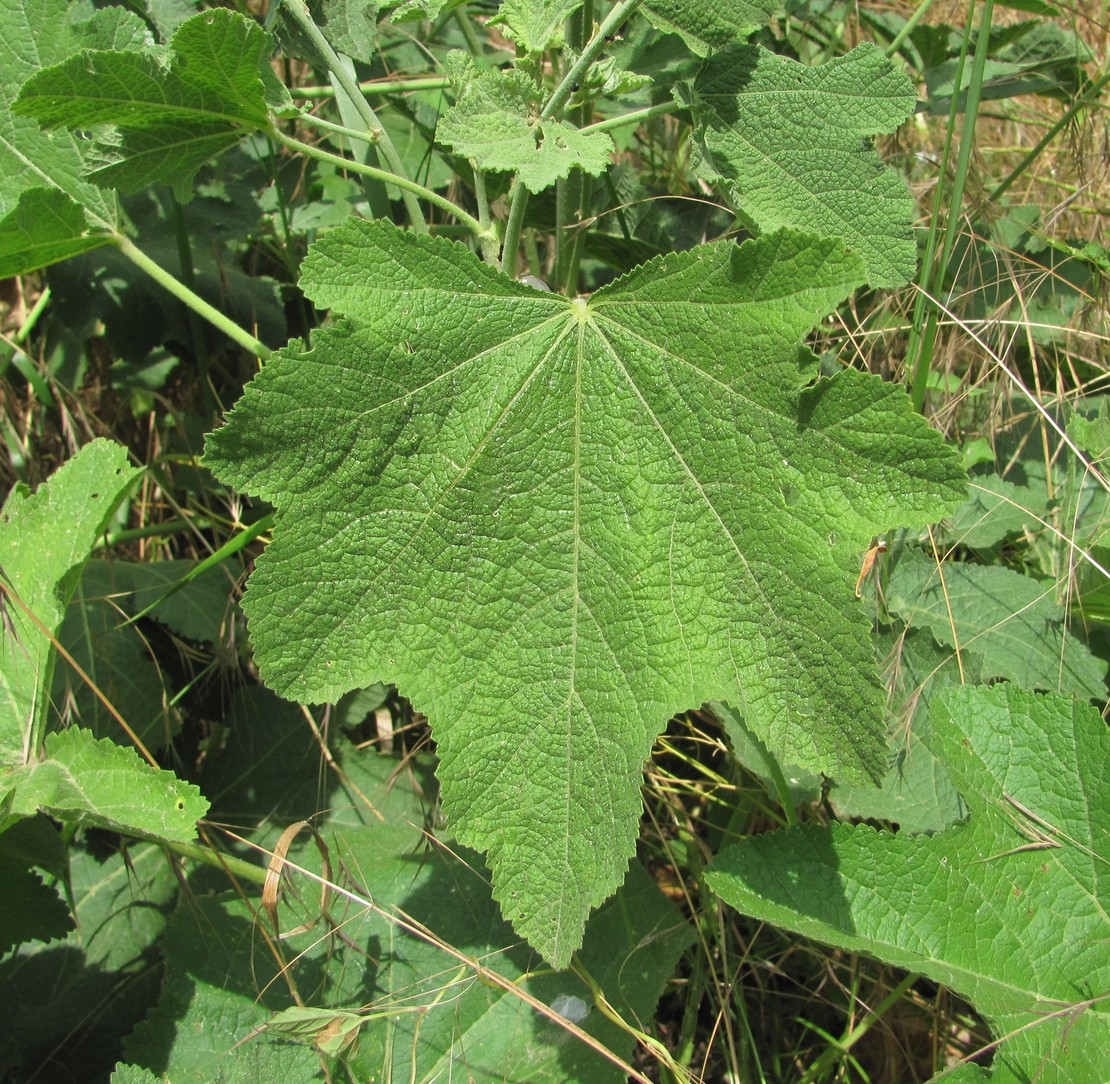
(173, 108)
(1010, 909)
(792, 145)
(45, 539)
(69, 1002)
(554, 522)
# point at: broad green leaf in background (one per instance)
(1009, 623)
(554, 522)
(496, 123)
(207, 1025)
(997, 509)
(45, 539)
(68, 1002)
(45, 228)
(705, 27)
(1009, 909)
(31, 911)
(93, 781)
(173, 108)
(115, 658)
(416, 1010)
(792, 145)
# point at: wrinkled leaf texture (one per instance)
(1008, 909)
(554, 522)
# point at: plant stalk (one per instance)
(298, 11)
(187, 297)
(403, 183)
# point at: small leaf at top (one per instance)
(1009, 909)
(706, 27)
(792, 145)
(554, 522)
(174, 108)
(535, 25)
(496, 122)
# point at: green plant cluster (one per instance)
(504, 346)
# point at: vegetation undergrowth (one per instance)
(554, 540)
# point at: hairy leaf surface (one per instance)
(496, 123)
(172, 108)
(1008, 909)
(705, 27)
(555, 521)
(792, 145)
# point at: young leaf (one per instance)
(1008, 909)
(44, 541)
(85, 780)
(535, 25)
(173, 108)
(495, 122)
(791, 144)
(554, 522)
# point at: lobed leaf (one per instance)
(792, 145)
(496, 122)
(173, 108)
(1009, 909)
(554, 522)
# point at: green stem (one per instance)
(228, 549)
(153, 530)
(636, 117)
(339, 129)
(934, 269)
(186, 296)
(589, 54)
(403, 183)
(246, 871)
(298, 11)
(518, 201)
(21, 336)
(384, 86)
(907, 30)
(488, 237)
